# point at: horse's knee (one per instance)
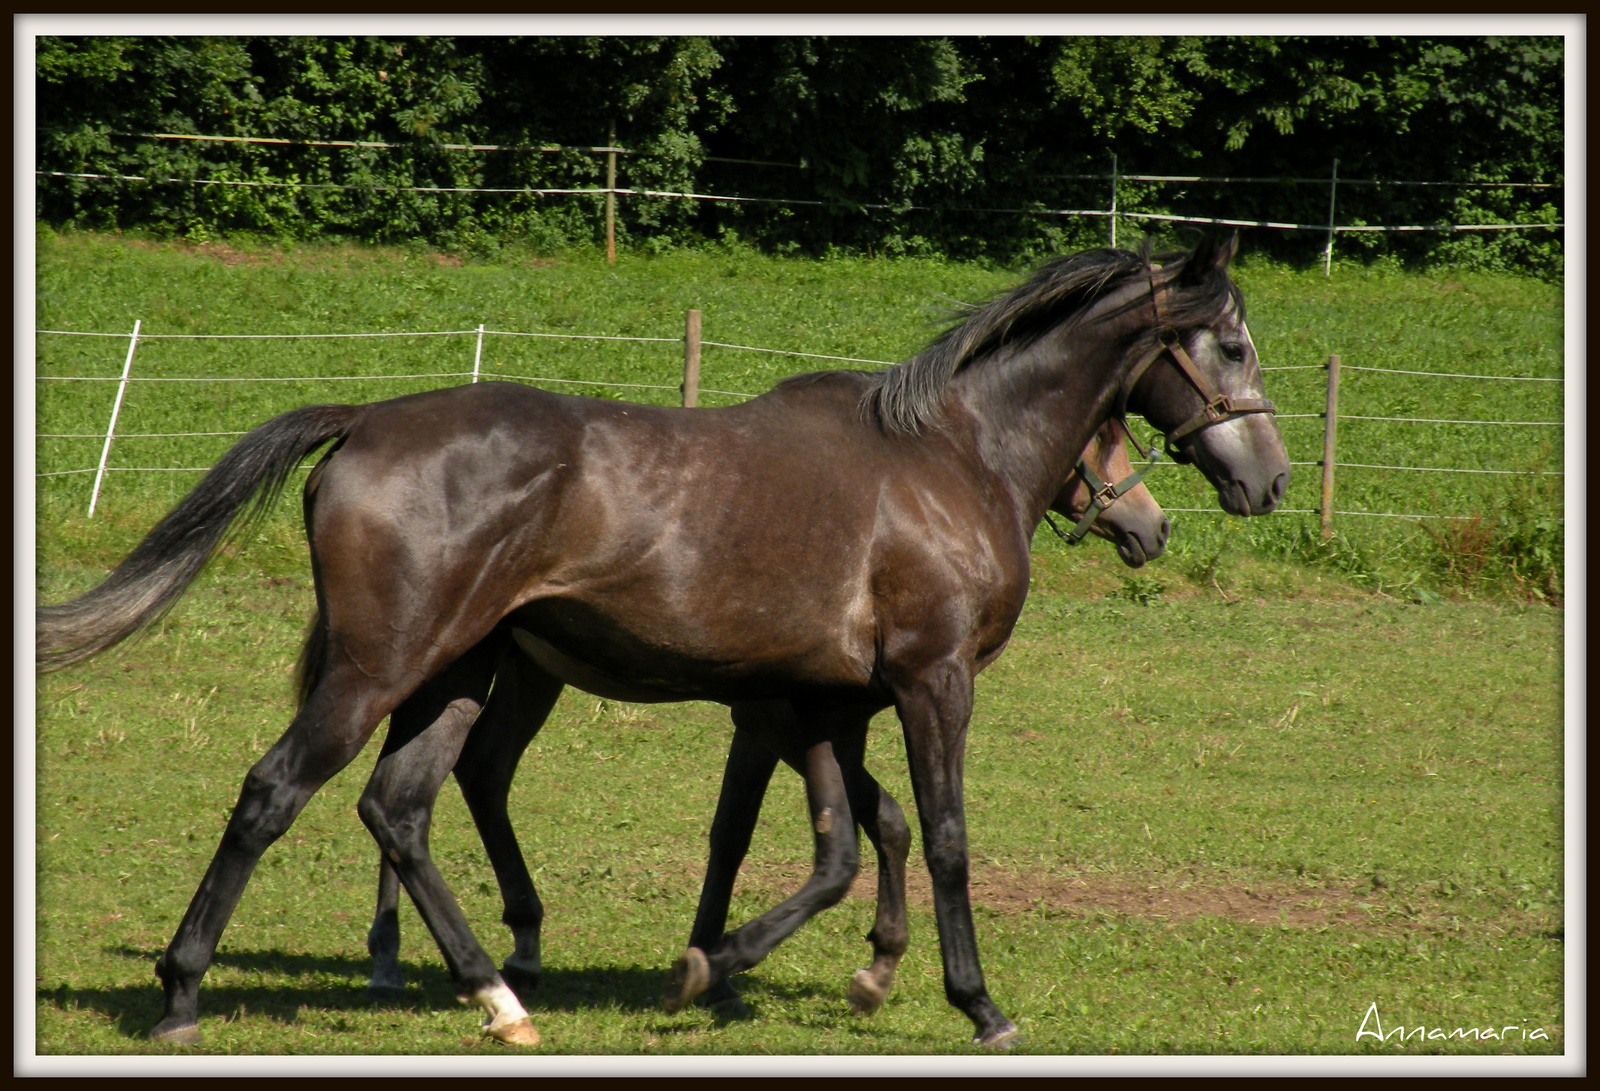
(400, 833)
(894, 833)
(835, 874)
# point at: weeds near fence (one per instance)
(1520, 545)
(1299, 540)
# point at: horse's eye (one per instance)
(1233, 351)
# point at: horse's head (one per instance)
(1127, 515)
(1200, 383)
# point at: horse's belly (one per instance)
(583, 676)
(667, 655)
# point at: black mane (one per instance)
(909, 396)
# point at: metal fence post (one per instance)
(1329, 427)
(105, 452)
(691, 359)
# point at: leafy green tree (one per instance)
(892, 144)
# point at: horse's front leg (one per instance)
(744, 784)
(885, 825)
(935, 707)
(834, 866)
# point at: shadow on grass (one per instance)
(136, 1008)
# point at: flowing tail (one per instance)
(153, 577)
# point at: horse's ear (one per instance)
(1213, 254)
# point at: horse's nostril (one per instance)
(1280, 485)
(1166, 529)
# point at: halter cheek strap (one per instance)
(1217, 408)
(1101, 497)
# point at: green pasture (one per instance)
(1196, 827)
(1220, 805)
(1510, 536)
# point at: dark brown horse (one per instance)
(844, 543)
(1103, 496)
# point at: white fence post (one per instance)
(1113, 200)
(1333, 185)
(105, 452)
(477, 357)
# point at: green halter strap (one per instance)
(1101, 495)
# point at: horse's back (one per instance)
(699, 550)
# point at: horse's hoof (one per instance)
(386, 994)
(866, 995)
(514, 1032)
(1003, 1037)
(188, 1035)
(730, 1010)
(689, 977)
(520, 980)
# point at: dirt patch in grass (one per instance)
(1094, 898)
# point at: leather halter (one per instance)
(1101, 497)
(1218, 407)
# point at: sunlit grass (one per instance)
(1164, 859)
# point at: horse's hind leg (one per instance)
(328, 732)
(833, 867)
(885, 826)
(425, 738)
(519, 704)
(425, 752)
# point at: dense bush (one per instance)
(903, 143)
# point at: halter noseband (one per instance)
(1218, 407)
(1102, 496)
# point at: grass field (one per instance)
(875, 310)
(1161, 864)
(1222, 806)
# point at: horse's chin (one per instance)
(1233, 499)
(1236, 498)
(1131, 552)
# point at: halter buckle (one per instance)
(1218, 409)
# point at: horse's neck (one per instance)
(1033, 412)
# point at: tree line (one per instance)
(904, 145)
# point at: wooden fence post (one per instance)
(1330, 426)
(691, 359)
(611, 197)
